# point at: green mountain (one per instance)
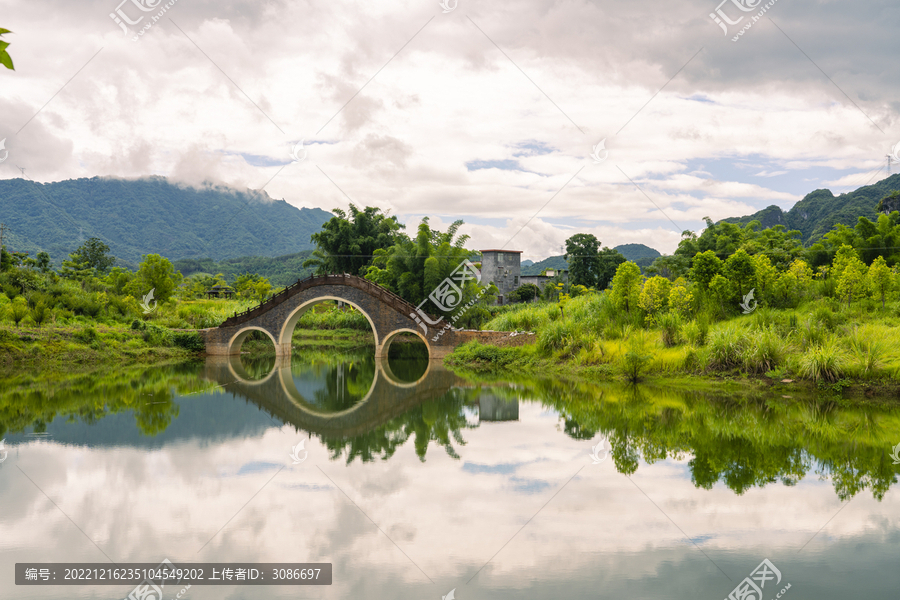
(281, 270)
(636, 252)
(554, 262)
(820, 211)
(151, 215)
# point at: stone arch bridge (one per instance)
(387, 313)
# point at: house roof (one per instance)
(508, 251)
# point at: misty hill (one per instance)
(151, 215)
(820, 211)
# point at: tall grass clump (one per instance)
(559, 335)
(696, 332)
(869, 347)
(636, 359)
(670, 327)
(726, 347)
(825, 362)
(812, 333)
(764, 350)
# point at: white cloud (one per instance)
(293, 71)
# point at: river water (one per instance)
(415, 482)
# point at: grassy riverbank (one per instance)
(822, 343)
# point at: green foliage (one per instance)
(654, 297)
(726, 347)
(880, 279)
(252, 287)
(706, 265)
(188, 340)
(334, 318)
(524, 293)
(18, 310)
(280, 271)
(414, 268)
(681, 299)
(850, 273)
(86, 335)
(817, 213)
(740, 270)
(764, 351)
(5, 58)
(722, 292)
(348, 244)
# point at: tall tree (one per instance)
(414, 268)
(626, 286)
(706, 265)
(347, 244)
(739, 269)
(582, 254)
(92, 258)
(880, 278)
(155, 273)
(609, 260)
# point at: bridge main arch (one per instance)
(287, 330)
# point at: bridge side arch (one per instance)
(234, 344)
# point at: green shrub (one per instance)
(18, 310)
(475, 352)
(188, 340)
(86, 335)
(157, 336)
(40, 314)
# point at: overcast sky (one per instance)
(488, 112)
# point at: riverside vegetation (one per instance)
(90, 312)
(735, 301)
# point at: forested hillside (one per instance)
(151, 215)
(820, 211)
(280, 270)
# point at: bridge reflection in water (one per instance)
(388, 396)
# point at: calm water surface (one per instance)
(418, 481)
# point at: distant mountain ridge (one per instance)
(819, 211)
(152, 215)
(638, 253)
